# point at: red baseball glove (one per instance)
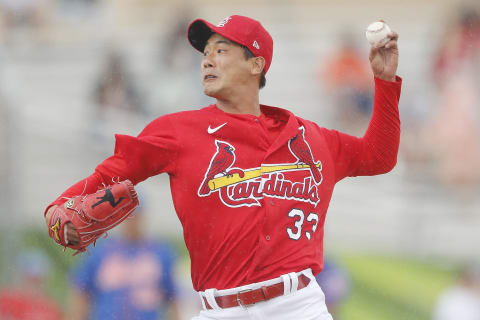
(93, 215)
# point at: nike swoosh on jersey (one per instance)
(213, 130)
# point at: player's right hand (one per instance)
(72, 234)
(384, 60)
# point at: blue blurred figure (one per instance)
(335, 282)
(126, 277)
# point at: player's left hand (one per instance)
(83, 219)
(384, 60)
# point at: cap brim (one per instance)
(199, 32)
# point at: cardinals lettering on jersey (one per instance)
(239, 187)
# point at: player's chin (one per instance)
(210, 90)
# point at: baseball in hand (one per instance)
(377, 34)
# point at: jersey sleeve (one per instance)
(152, 152)
(376, 152)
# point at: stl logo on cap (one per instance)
(224, 22)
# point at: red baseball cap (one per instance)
(242, 30)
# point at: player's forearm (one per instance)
(114, 168)
(84, 186)
(382, 138)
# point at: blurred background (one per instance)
(399, 246)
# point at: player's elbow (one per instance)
(381, 160)
(388, 162)
(390, 165)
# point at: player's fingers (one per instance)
(72, 234)
(393, 35)
(392, 44)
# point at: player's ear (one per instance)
(258, 63)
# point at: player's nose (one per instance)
(207, 61)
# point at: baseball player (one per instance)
(251, 183)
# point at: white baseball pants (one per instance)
(304, 304)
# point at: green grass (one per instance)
(383, 288)
(61, 262)
(392, 287)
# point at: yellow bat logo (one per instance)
(249, 174)
(55, 229)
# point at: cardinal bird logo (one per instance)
(223, 159)
(301, 150)
(245, 187)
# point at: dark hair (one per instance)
(248, 54)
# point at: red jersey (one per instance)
(252, 192)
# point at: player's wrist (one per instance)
(387, 78)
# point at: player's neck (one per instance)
(240, 104)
